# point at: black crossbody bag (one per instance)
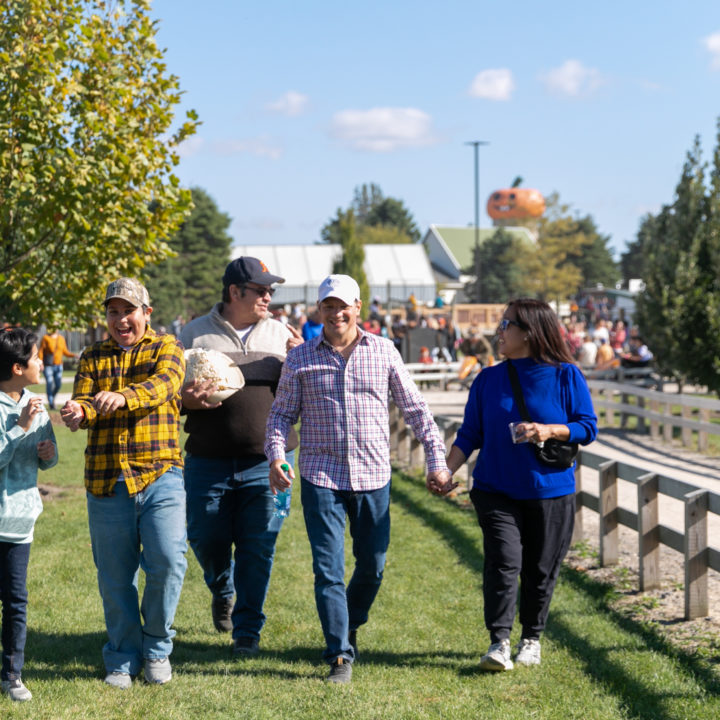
(559, 454)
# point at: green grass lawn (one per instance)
(419, 652)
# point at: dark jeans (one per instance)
(229, 506)
(53, 382)
(369, 514)
(526, 539)
(14, 558)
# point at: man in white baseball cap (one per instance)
(342, 287)
(338, 383)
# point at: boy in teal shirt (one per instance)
(27, 443)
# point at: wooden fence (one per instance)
(698, 503)
(655, 408)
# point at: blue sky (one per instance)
(302, 101)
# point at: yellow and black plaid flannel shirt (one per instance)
(141, 440)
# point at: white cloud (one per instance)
(572, 78)
(261, 146)
(192, 146)
(291, 104)
(496, 84)
(712, 45)
(383, 129)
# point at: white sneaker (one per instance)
(157, 671)
(118, 679)
(497, 658)
(528, 652)
(15, 690)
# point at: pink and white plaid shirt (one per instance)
(345, 431)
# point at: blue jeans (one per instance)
(228, 506)
(14, 558)
(53, 381)
(325, 510)
(127, 533)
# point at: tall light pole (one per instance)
(476, 144)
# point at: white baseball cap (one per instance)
(342, 287)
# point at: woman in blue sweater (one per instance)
(526, 509)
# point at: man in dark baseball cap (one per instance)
(229, 501)
(243, 270)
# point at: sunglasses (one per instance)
(505, 323)
(261, 292)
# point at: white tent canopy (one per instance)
(393, 271)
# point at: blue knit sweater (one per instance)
(552, 395)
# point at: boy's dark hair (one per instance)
(16, 346)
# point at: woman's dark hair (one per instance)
(542, 326)
(16, 346)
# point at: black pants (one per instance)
(526, 539)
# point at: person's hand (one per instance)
(71, 413)
(440, 482)
(106, 402)
(279, 480)
(537, 432)
(28, 413)
(46, 450)
(195, 395)
(295, 340)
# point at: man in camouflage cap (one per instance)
(126, 394)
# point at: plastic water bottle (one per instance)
(282, 499)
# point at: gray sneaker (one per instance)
(497, 658)
(15, 690)
(120, 680)
(158, 670)
(528, 651)
(340, 672)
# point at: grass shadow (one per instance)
(461, 541)
(598, 592)
(641, 703)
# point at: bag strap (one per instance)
(517, 392)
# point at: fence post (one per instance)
(609, 554)
(640, 427)
(655, 424)
(648, 532)
(448, 432)
(394, 414)
(417, 453)
(625, 400)
(696, 554)
(403, 449)
(609, 411)
(686, 432)
(577, 535)
(667, 424)
(702, 435)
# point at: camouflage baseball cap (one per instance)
(127, 289)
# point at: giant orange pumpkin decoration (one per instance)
(515, 204)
